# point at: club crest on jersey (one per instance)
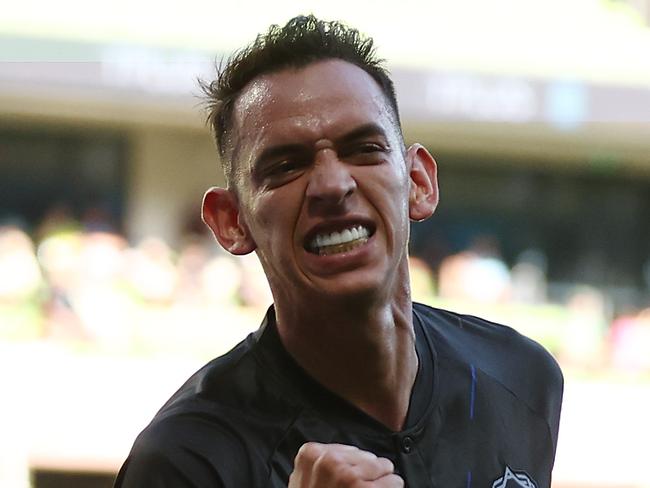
(514, 479)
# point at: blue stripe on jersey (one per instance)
(472, 393)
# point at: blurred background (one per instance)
(112, 292)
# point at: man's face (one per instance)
(322, 182)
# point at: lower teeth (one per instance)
(338, 248)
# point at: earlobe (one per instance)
(221, 214)
(423, 174)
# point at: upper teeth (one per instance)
(342, 237)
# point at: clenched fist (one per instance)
(340, 466)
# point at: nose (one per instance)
(330, 181)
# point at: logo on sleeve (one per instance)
(514, 479)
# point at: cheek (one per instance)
(273, 217)
(395, 201)
(396, 189)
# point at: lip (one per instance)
(336, 225)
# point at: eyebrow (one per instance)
(272, 152)
(365, 130)
(279, 150)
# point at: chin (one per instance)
(355, 293)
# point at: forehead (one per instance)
(322, 100)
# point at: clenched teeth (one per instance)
(341, 241)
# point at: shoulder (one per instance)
(218, 429)
(488, 344)
(517, 362)
(223, 379)
(185, 450)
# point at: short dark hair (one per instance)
(303, 40)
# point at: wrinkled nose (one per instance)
(330, 182)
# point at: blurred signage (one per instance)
(564, 104)
(471, 97)
(151, 70)
(425, 95)
(45, 64)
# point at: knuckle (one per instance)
(386, 464)
(309, 452)
(328, 460)
(395, 481)
(325, 471)
(347, 476)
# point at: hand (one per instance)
(340, 466)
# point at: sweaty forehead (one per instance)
(322, 100)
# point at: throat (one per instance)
(371, 364)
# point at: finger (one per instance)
(388, 481)
(304, 462)
(368, 463)
(349, 467)
(318, 461)
(311, 452)
(373, 469)
(352, 454)
(327, 464)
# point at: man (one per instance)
(346, 383)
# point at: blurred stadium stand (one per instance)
(107, 277)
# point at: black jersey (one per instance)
(484, 413)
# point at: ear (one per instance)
(221, 214)
(423, 174)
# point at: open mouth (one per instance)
(344, 240)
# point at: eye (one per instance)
(286, 166)
(364, 152)
(369, 147)
(283, 171)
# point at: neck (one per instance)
(364, 354)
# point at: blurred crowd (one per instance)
(83, 285)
